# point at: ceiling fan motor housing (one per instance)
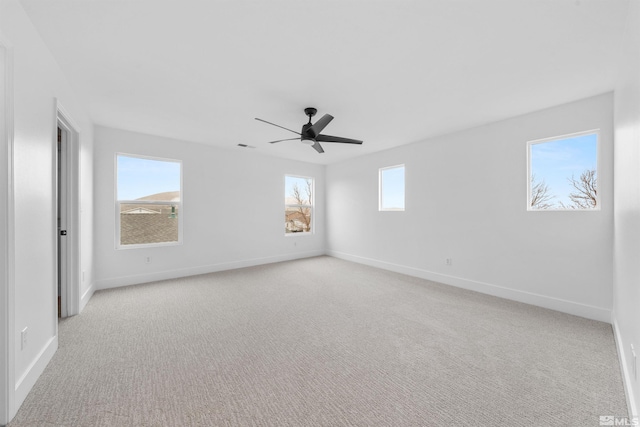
(305, 137)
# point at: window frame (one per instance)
(118, 203)
(312, 225)
(381, 208)
(595, 132)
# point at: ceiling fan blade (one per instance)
(317, 127)
(329, 138)
(316, 146)
(280, 140)
(273, 124)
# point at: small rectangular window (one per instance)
(563, 172)
(148, 201)
(391, 196)
(298, 204)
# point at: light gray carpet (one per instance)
(323, 342)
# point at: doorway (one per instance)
(67, 215)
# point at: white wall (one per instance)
(86, 203)
(466, 199)
(37, 83)
(6, 331)
(233, 210)
(626, 303)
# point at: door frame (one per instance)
(7, 247)
(71, 183)
(62, 257)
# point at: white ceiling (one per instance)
(390, 72)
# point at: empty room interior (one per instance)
(460, 184)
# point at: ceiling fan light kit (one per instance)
(310, 133)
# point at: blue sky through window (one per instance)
(392, 188)
(138, 177)
(558, 160)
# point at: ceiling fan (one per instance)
(310, 133)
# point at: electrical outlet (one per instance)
(148, 260)
(634, 364)
(449, 261)
(23, 338)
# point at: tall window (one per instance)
(391, 197)
(563, 173)
(298, 204)
(149, 202)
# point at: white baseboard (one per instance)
(192, 271)
(28, 380)
(624, 370)
(570, 307)
(86, 297)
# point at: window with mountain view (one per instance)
(149, 203)
(563, 173)
(298, 204)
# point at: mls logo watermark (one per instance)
(612, 420)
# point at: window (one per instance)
(149, 202)
(298, 204)
(563, 173)
(391, 188)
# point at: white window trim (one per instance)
(560, 137)
(380, 194)
(145, 202)
(312, 206)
